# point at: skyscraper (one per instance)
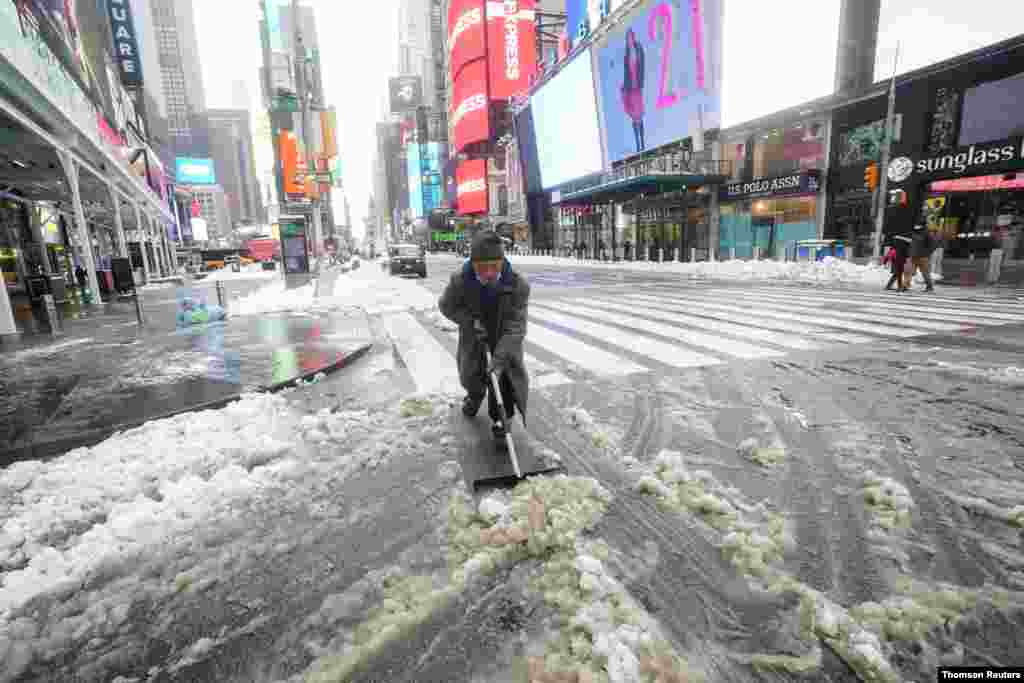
(240, 98)
(232, 152)
(181, 76)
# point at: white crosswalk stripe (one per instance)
(666, 353)
(785, 340)
(621, 333)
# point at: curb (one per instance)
(42, 450)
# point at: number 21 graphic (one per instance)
(668, 97)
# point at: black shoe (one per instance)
(471, 405)
(929, 289)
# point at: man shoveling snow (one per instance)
(488, 300)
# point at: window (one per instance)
(992, 111)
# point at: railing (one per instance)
(680, 163)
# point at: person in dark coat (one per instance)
(901, 247)
(921, 247)
(488, 300)
(81, 276)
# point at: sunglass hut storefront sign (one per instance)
(974, 158)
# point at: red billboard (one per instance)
(471, 187)
(511, 46)
(470, 115)
(465, 34)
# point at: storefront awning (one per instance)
(624, 189)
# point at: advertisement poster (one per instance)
(191, 171)
(465, 34)
(471, 187)
(659, 74)
(405, 93)
(512, 46)
(470, 116)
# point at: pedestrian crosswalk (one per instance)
(660, 328)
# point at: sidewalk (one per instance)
(106, 374)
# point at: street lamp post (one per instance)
(881, 201)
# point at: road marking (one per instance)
(876, 330)
(685, 358)
(590, 358)
(716, 310)
(663, 352)
(744, 331)
(431, 365)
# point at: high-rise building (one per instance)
(181, 76)
(232, 152)
(240, 97)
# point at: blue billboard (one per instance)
(426, 184)
(660, 75)
(189, 171)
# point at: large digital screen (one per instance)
(465, 34)
(512, 46)
(657, 84)
(423, 167)
(527, 142)
(470, 113)
(565, 124)
(992, 111)
(584, 16)
(471, 187)
(191, 171)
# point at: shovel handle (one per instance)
(496, 390)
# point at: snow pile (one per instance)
(1013, 515)
(247, 272)
(601, 437)
(442, 323)
(377, 293)
(828, 271)
(762, 455)
(889, 501)
(274, 298)
(43, 351)
(1008, 375)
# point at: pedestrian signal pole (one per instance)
(882, 177)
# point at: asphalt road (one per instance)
(891, 455)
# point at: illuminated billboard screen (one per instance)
(471, 187)
(512, 46)
(189, 171)
(565, 124)
(527, 141)
(657, 76)
(470, 114)
(423, 165)
(465, 34)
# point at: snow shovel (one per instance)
(536, 466)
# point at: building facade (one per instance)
(232, 152)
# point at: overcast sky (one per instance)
(775, 55)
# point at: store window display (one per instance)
(976, 215)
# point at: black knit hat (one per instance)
(486, 246)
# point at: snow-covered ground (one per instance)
(829, 271)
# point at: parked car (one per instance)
(405, 259)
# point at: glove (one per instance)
(480, 331)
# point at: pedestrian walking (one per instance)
(488, 300)
(901, 250)
(922, 244)
(601, 249)
(626, 246)
(80, 275)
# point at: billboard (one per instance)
(470, 114)
(406, 93)
(415, 179)
(657, 74)
(512, 46)
(465, 34)
(526, 140)
(126, 44)
(471, 187)
(191, 171)
(565, 124)
(423, 167)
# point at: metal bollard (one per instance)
(220, 295)
(732, 253)
(693, 255)
(995, 264)
(139, 313)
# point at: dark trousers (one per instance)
(508, 395)
(898, 264)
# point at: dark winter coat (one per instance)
(503, 310)
(921, 243)
(902, 244)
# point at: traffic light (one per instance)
(871, 176)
